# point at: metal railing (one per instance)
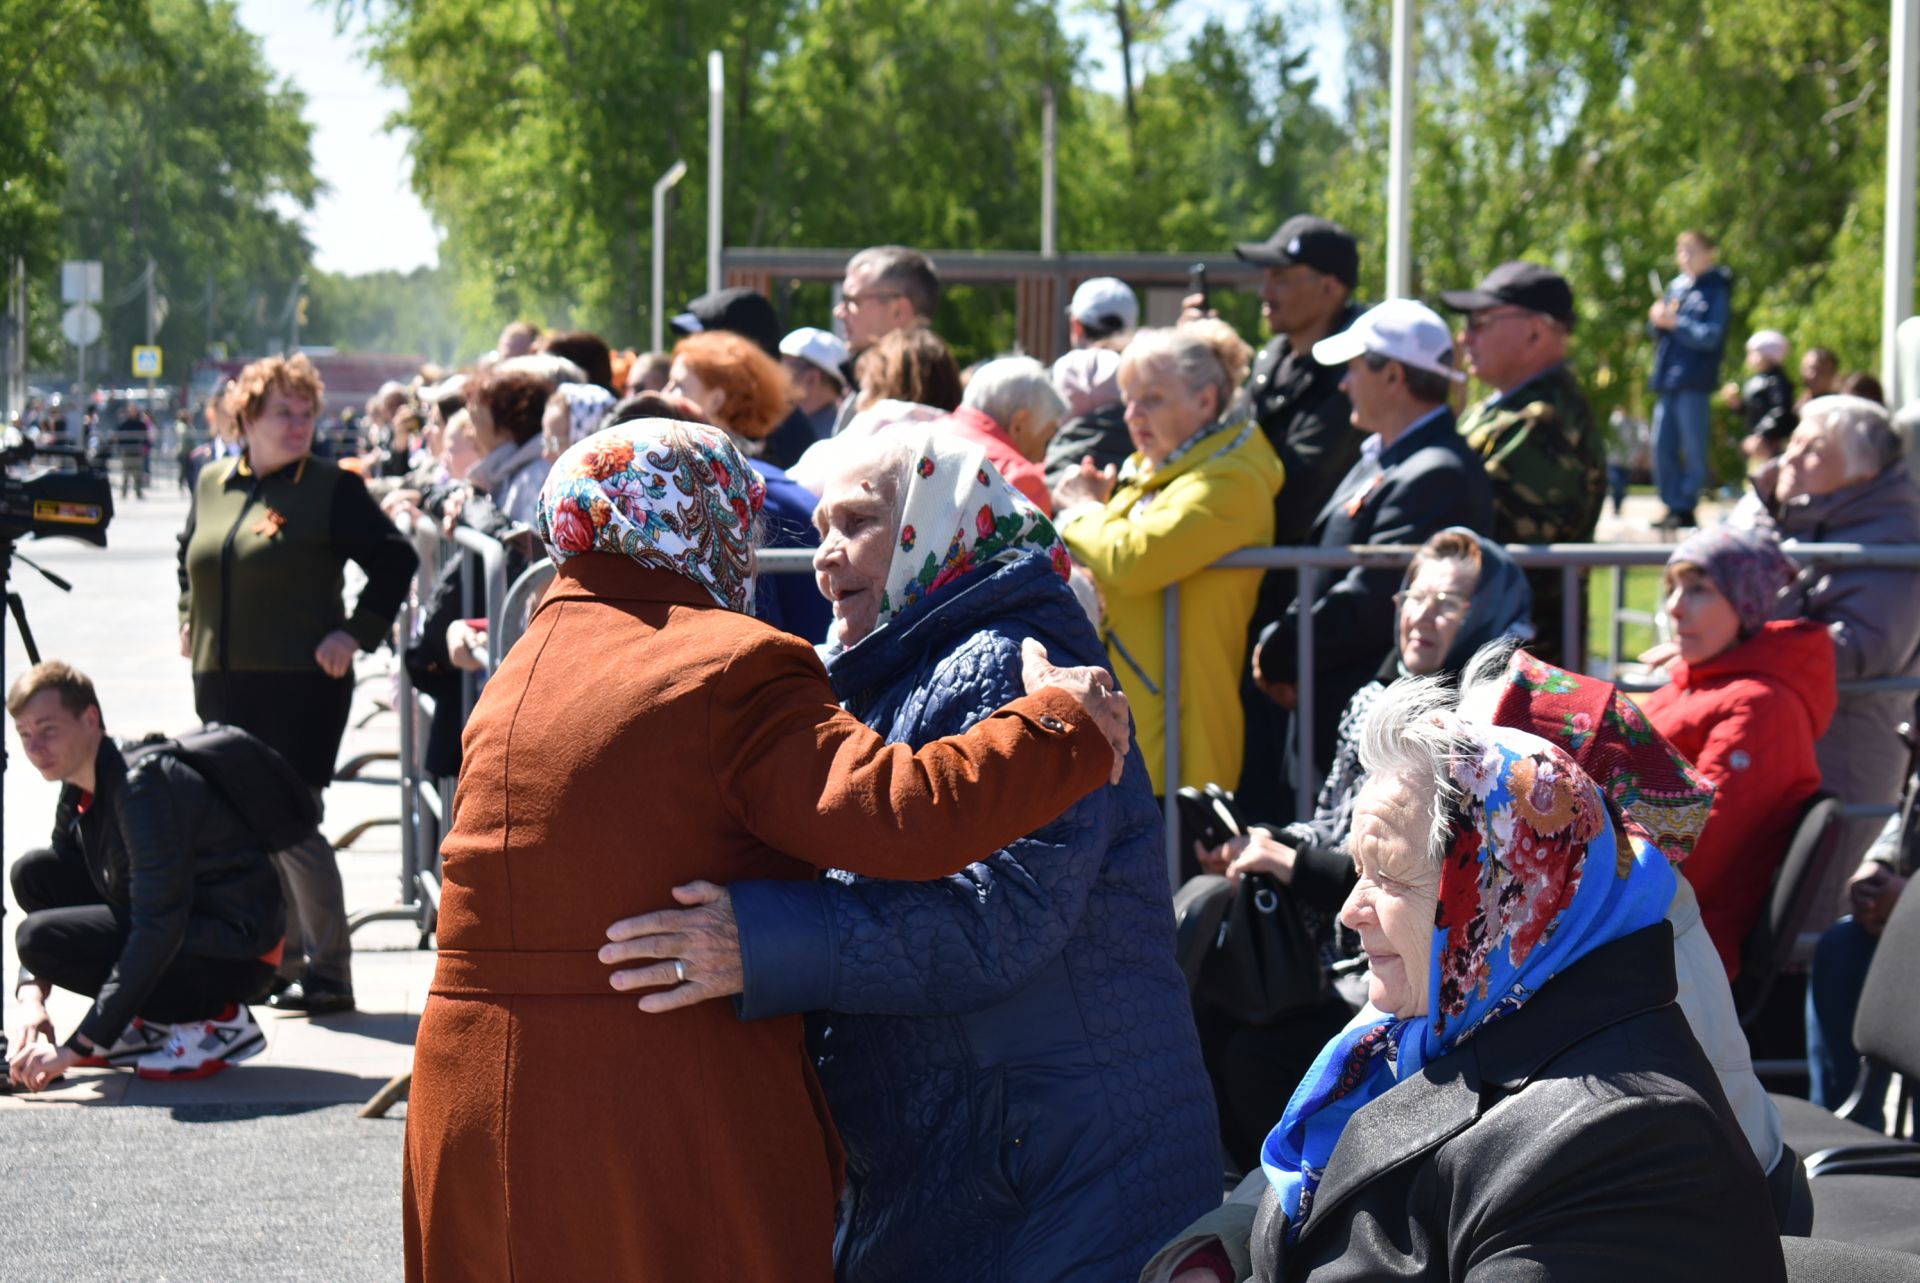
(1572, 560)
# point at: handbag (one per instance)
(1261, 962)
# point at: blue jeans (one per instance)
(1680, 426)
(1833, 996)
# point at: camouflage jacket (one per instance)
(1545, 456)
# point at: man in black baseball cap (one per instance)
(1306, 294)
(1537, 434)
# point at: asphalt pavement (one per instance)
(263, 1172)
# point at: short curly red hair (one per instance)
(756, 385)
(293, 375)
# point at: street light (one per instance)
(660, 190)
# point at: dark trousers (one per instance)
(72, 938)
(1840, 965)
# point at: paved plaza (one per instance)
(262, 1172)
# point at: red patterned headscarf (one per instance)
(1665, 801)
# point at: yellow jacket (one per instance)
(1161, 529)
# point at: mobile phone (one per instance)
(1197, 284)
(1655, 284)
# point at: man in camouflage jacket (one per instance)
(1543, 451)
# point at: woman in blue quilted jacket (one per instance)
(1009, 1053)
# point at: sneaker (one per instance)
(138, 1039)
(202, 1048)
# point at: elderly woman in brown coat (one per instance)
(647, 733)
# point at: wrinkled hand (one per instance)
(1261, 852)
(1874, 904)
(40, 1064)
(1194, 308)
(335, 653)
(1088, 485)
(466, 646)
(396, 502)
(704, 936)
(1285, 694)
(35, 1025)
(186, 641)
(1659, 656)
(456, 504)
(1095, 690)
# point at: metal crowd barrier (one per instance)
(1572, 560)
(426, 802)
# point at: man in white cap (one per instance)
(815, 361)
(1103, 313)
(1767, 399)
(1416, 478)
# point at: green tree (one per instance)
(189, 156)
(410, 313)
(46, 78)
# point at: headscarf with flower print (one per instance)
(671, 495)
(957, 515)
(1533, 877)
(1665, 800)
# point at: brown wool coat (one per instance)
(639, 737)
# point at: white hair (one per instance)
(1412, 734)
(1002, 388)
(1861, 428)
(1483, 678)
(1201, 360)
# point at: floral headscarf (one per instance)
(674, 496)
(957, 515)
(587, 406)
(1665, 800)
(1533, 878)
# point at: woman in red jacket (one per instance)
(1750, 694)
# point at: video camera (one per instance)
(52, 502)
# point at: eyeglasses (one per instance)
(1444, 605)
(853, 302)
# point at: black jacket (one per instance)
(162, 846)
(1308, 420)
(1102, 435)
(1583, 1137)
(1767, 403)
(1427, 480)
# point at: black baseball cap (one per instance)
(1518, 284)
(1324, 246)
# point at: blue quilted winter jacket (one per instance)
(1009, 1052)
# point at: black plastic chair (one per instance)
(1791, 907)
(1866, 1186)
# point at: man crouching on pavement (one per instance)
(155, 900)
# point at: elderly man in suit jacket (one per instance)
(1416, 477)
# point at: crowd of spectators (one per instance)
(1514, 852)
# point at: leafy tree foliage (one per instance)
(187, 151)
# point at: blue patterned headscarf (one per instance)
(1535, 877)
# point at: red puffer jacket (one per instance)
(1748, 718)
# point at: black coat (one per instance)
(1427, 480)
(1767, 403)
(162, 846)
(1584, 1137)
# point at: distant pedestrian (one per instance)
(1689, 326)
(1766, 402)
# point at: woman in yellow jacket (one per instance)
(1198, 486)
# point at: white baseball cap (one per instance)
(817, 347)
(1400, 329)
(1105, 296)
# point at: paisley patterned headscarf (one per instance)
(1665, 800)
(1533, 878)
(957, 515)
(673, 496)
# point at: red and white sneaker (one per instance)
(137, 1040)
(202, 1048)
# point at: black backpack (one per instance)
(268, 795)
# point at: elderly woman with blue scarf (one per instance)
(1521, 1098)
(1007, 1052)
